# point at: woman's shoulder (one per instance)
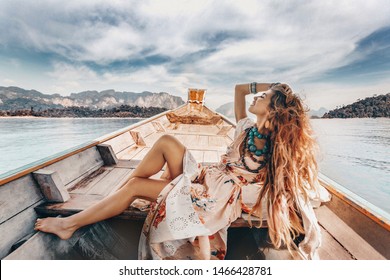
(243, 124)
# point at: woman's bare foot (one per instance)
(58, 226)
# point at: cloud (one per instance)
(171, 45)
(8, 81)
(70, 78)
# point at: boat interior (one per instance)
(70, 182)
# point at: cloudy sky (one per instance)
(330, 52)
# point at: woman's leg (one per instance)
(166, 150)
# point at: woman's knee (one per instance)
(131, 185)
(167, 139)
(169, 142)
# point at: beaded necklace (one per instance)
(249, 147)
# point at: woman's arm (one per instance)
(239, 98)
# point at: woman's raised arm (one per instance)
(241, 91)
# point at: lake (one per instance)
(354, 152)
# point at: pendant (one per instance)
(253, 132)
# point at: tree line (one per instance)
(377, 106)
(123, 111)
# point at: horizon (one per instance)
(231, 102)
(329, 56)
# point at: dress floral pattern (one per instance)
(204, 201)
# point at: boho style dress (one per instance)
(204, 201)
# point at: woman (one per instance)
(193, 206)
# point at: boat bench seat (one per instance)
(50, 209)
(103, 182)
(85, 186)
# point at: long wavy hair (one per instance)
(292, 168)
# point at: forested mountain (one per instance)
(377, 106)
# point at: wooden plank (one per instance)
(210, 157)
(331, 249)
(121, 182)
(228, 141)
(369, 226)
(189, 140)
(129, 214)
(76, 203)
(109, 182)
(218, 142)
(16, 228)
(164, 121)
(41, 247)
(231, 133)
(88, 182)
(18, 195)
(77, 165)
(203, 141)
(210, 129)
(152, 138)
(196, 128)
(129, 164)
(129, 153)
(351, 241)
(181, 137)
(198, 155)
(145, 129)
(224, 130)
(141, 154)
(120, 142)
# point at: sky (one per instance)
(330, 52)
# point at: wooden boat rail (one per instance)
(27, 169)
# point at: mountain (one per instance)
(318, 113)
(377, 106)
(14, 98)
(227, 110)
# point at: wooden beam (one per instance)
(51, 185)
(138, 138)
(223, 131)
(158, 126)
(107, 153)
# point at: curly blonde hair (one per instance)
(292, 168)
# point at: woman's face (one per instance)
(261, 102)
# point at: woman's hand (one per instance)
(241, 91)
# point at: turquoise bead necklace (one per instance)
(250, 147)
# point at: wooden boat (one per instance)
(70, 181)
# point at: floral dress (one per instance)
(204, 201)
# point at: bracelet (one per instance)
(252, 87)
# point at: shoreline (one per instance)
(35, 117)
